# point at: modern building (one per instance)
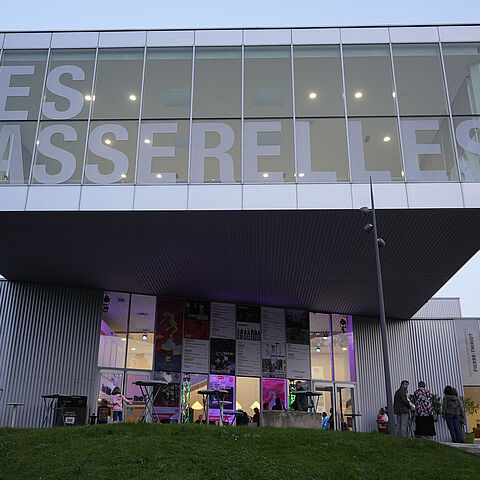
(184, 205)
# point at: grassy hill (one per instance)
(201, 452)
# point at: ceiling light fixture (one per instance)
(108, 141)
(318, 349)
(301, 174)
(159, 175)
(386, 139)
(144, 336)
(88, 98)
(265, 175)
(358, 95)
(132, 97)
(123, 175)
(147, 140)
(312, 95)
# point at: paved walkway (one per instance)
(466, 447)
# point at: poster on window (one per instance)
(195, 355)
(468, 341)
(166, 405)
(273, 389)
(197, 320)
(168, 334)
(249, 363)
(222, 382)
(248, 313)
(298, 361)
(273, 343)
(222, 356)
(222, 319)
(297, 322)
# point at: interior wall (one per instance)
(48, 344)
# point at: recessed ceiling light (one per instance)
(123, 175)
(159, 175)
(144, 336)
(301, 174)
(358, 95)
(132, 97)
(147, 140)
(403, 173)
(88, 98)
(386, 139)
(108, 141)
(123, 339)
(394, 94)
(344, 348)
(312, 95)
(325, 338)
(318, 349)
(265, 175)
(38, 142)
(133, 348)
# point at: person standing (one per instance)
(423, 400)
(401, 409)
(453, 413)
(118, 399)
(382, 421)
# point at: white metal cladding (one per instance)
(48, 344)
(440, 308)
(419, 350)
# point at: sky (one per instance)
(157, 14)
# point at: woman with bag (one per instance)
(424, 422)
(453, 413)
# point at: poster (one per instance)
(222, 382)
(222, 319)
(167, 402)
(468, 340)
(273, 343)
(168, 334)
(195, 355)
(297, 323)
(248, 313)
(248, 358)
(248, 331)
(197, 320)
(222, 356)
(298, 361)
(273, 388)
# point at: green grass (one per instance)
(209, 453)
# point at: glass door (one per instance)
(135, 395)
(326, 402)
(109, 380)
(345, 407)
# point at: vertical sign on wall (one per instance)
(196, 332)
(168, 334)
(298, 344)
(222, 319)
(248, 334)
(468, 341)
(273, 342)
(222, 356)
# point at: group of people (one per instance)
(420, 407)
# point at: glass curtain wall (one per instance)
(71, 116)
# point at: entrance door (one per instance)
(345, 407)
(326, 402)
(108, 380)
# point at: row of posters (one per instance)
(228, 339)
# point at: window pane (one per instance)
(320, 346)
(318, 81)
(419, 77)
(24, 70)
(163, 152)
(68, 91)
(462, 68)
(113, 332)
(268, 82)
(111, 152)
(368, 80)
(141, 332)
(60, 151)
(467, 133)
(273, 388)
(16, 149)
(428, 149)
(321, 150)
(248, 394)
(268, 151)
(375, 149)
(341, 358)
(168, 83)
(197, 382)
(118, 82)
(216, 152)
(218, 82)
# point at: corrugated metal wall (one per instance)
(437, 308)
(48, 344)
(419, 350)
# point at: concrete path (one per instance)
(466, 447)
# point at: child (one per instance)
(382, 421)
(117, 400)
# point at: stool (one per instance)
(14, 414)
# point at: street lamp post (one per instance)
(379, 242)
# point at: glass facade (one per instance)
(233, 114)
